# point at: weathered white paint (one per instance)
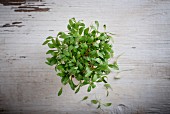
(28, 86)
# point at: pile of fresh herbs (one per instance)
(83, 54)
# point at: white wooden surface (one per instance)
(142, 28)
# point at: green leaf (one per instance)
(60, 91)
(103, 79)
(50, 51)
(99, 60)
(115, 66)
(93, 85)
(94, 78)
(54, 42)
(81, 30)
(98, 106)
(71, 22)
(82, 24)
(52, 60)
(51, 45)
(94, 101)
(57, 42)
(85, 98)
(86, 31)
(79, 65)
(97, 24)
(48, 63)
(49, 37)
(89, 88)
(61, 74)
(69, 27)
(107, 104)
(65, 80)
(107, 93)
(96, 44)
(107, 86)
(90, 40)
(99, 54)
(46, 42)
(72, 85)
(66, 53)
(70, 48)
(62, 35)
(60, 67)
(77, 90)
(88, 74)
(84, 46)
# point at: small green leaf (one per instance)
(69, 27)
(89, 88)
(65, 80)
(107, 104)
(107, 86)
(72, 85)
(82, 24)
(46, 42)
(88, 74)
(94, 101)
(71, 22)
(94, 78)
(98, 106)
(61, 74)
(107, 93)
(81, 30)
(97, 24)
(48, 63)
(60, 67)
(103, 79)
(66, 53)
(62, 35)
(115, 66)
(49, 37)
(77, 90)
(93, 86)
(70, 48)
(57, 42)
(51, 45)
(85, 98)
(86, 31)
(50, 51)
(60, 91)
(99, 54)
(99, 60)
(96, 44)
(53, 41)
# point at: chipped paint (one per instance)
(13, 24)
(23, 6)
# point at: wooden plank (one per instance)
(28, 85)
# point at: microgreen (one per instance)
(83, 54)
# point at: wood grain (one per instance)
(142, 28)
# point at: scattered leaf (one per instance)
(94, 101)
(85, 98)
(97, 24)
(107, 104)
(46, 42)
(60, 91)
